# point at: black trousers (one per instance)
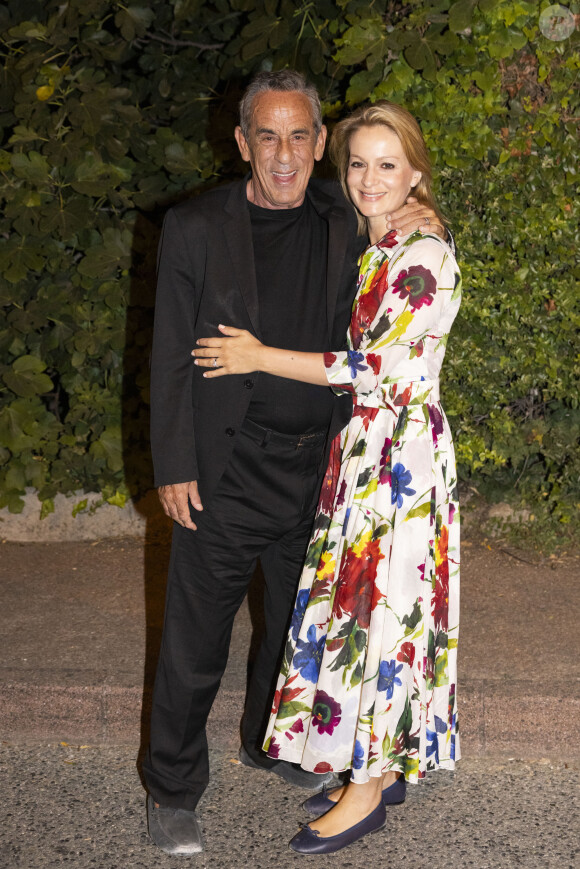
(263, 507)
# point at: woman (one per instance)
(369, 676)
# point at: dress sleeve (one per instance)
(421, 282)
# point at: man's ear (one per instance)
(242, 144)
(320, 143)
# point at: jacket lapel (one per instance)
(336, 215)
(238, 236)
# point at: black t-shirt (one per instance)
(290, 253)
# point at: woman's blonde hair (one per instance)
(403, 124)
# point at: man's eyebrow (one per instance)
(304, 130)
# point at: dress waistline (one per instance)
(401, 394)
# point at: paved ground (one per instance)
(83, 808)
(80, 626)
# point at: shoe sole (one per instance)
(340, 847)
(287, 773)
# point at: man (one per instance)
(239, 460)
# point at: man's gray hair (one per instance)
(282, 80)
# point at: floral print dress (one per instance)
(369, 677)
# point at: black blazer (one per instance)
(206, 276)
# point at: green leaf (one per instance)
(18, 257)
(31, 166)
(28, 30)
(16, 419)
(357, 675)
(80, 507)
(419, 512)
(109, 447)
(461, 15)
(293, 707)
(441, 669)
(361, 85)
(412, 620)
(119, 499)
(47, 508)
(26, 379)
(113, 253)
(419, 55)
(381, 530)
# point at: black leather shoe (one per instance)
(321, 803)
(175, 831)
(309, 841)
(291, 772)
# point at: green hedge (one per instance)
(111, 112)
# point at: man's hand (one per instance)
(175, 500)
(414, 216)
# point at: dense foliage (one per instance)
(111, 111)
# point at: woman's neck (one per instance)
(376, 228)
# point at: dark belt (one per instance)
(269, 436)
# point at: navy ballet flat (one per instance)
(309, 841)
(321, 803)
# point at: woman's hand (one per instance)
(238, 352)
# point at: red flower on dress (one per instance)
(366, 413)
(441, 597)
(330, 482)
(273, 748)
(320, 587)
(326, 712)
(385, 472)
(417, 285)
(286, 694)
(365, 310)
(404, 398)
(407, 654)
(323, 766)
(355, 591)
(436, 419)
(374, 362)
(388, 240)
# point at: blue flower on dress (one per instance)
(309, 655)
(432, 745)
(432, 739)
(299, 610)
(388, 678)
(355, 362)
(345, 523)
(400, 479)
(359, 756)
(453, 727)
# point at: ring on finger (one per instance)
(427, 221)
(215, 362)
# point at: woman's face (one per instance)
(379, 176)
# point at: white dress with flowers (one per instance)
(369, 678)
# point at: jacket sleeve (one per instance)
(421, 281)
(172, 417)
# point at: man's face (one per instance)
(281, 148)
